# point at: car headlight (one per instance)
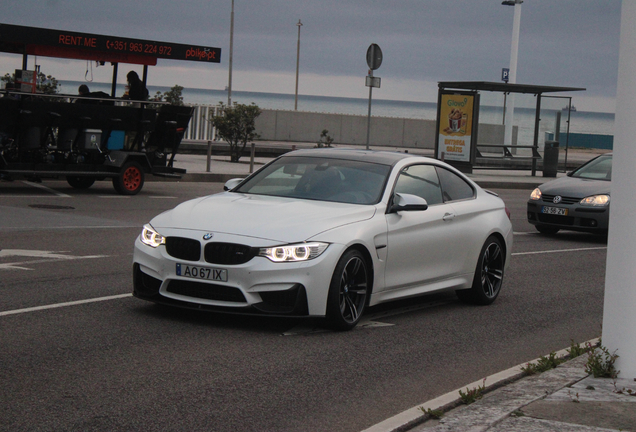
(294, 252)
(596, 200)
(151, 237)
(536, 194)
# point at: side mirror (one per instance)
(407, 202)
(232, 183)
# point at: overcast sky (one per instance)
(571, 43)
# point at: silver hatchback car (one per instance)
(578, 202)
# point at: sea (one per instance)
(491, 109)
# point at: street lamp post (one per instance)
(297, 65)
(229, 84)
(514, 50)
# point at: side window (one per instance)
(420, 180)
(454, 187)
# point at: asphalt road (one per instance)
(78, 353)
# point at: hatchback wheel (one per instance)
(348, 291)
(488, 274)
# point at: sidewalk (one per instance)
(221, 169)
(564, 399)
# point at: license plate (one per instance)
(206, 273)
(554, 211)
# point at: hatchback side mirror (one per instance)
(407, 202)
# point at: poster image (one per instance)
(455, 127)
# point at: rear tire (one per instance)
(548, 230)
(80, 182)
(488, 274)
(130, 179)
(348, 292)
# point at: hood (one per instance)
(279, 219)
(576, 187)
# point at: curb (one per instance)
(415, 416)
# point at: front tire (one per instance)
(488, 274)
(130, 179)
(80, 182)
(348, 291)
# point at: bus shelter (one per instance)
(457, 131)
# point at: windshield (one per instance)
(596, 169)
(323, 179)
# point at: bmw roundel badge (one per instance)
(208, 236)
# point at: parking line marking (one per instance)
(54, 192)
(65, 304)
(560, 251)
(44, 257)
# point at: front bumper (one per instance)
(259, 286)
(579, 218)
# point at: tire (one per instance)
(130, 179)
(548, 230)
(80, 182)
(348, 291)
(488, 274)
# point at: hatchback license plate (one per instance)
(195, 272)
(554, 211)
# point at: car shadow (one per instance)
(576, 237)
(256, 323)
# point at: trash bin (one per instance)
(550, 158)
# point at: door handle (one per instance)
(448, 216)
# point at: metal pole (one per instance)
(252, 154)
(229, 83)
(297, 65)
(369, 114)
(144, 78)
(209, 156)
(113, 88)
(535, 143)
(514, 50)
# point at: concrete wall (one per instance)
(300, 126)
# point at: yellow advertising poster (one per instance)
(455, 127)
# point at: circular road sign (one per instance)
(374, 56)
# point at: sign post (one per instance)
(374, 60)
(505, 77)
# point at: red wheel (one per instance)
(130, 180)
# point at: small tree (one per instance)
(235, 124)
(174, 95)
(325, 140)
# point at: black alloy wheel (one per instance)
(348, 291)
(488, 276)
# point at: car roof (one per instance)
(373, 156)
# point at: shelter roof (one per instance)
(504, 88)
